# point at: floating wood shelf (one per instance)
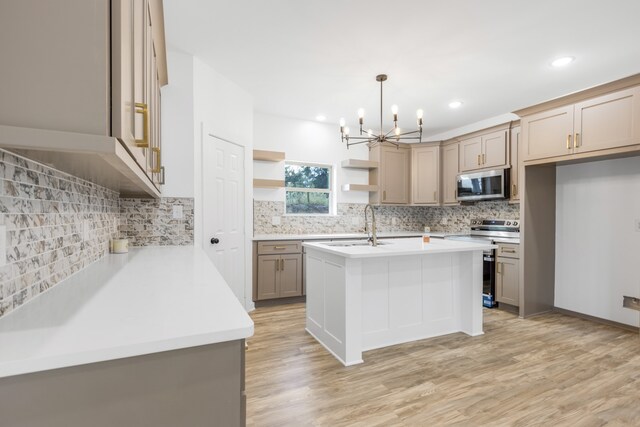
(268, 183)
(268, 156)
(359, 187)
(359, 164)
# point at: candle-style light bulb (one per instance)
(394, 109)
(361, 113)
(420, 113)
(342, 123)
(346, 131)
(397, 131)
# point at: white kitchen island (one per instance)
(361, 297)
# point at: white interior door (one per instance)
(223, 210)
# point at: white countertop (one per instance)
(398, 247)
(147, 301)
(262, 237)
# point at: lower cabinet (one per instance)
(508, 275)
(278, 275)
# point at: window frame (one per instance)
(330, 191)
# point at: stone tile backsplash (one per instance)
(148, 222)
(56, 224)
(350, 218)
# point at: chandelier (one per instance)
(395, 136)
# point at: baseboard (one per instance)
(596, 319)
(509, 308)
(280, 301)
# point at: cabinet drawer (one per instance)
(283, 247)
(509, 251)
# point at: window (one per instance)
(308, 188)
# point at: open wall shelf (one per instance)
(268, 156)
(359, 164)
(359, 187)
(268, 183)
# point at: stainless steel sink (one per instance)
(349, 244)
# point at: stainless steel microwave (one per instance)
(486, 185)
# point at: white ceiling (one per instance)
(301, 58)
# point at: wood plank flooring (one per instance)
(552, 370)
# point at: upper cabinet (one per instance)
(484, 151)
(450, 165)
(425, 174)
(92, 67)
(605, 122)
(393, 175)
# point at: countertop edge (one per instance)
(337, 252)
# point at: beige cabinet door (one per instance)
(608, 121)
(508, 280)
(470, 154)
(425, 175)
(548, 134)
(268, 276)
(395, 165)
(123, 77)
(450, 166)
(290, 275)
(515, 163)
(494, 150)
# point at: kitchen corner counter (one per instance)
(147, 301)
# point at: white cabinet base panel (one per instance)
(359, 304)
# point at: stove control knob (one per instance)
(515, 223)
(508, 222)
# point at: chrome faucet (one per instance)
(374, 236)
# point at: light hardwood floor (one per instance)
(549, 371)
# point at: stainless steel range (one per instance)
(495, 231)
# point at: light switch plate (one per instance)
(275, 220)
(86, 228)
(177, 212)
(3, 245)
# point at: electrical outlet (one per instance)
(177, 212)
(86, 229)
(638, 225)
(275, 220)
(3, 245)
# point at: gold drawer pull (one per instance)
(576, 142)
(569, 142)
(509, 250)
(142, 108)
(156, 166)
(514, 189)
(279, 247)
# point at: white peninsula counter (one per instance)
(361, 297)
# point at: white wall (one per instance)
(597, 247)
(177, 126)
(308, 141)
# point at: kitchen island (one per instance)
(361, 297)
(152, 337)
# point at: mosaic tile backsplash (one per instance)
(56, 224)
(148, 222)
(350, 218)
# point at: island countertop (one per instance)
(147, 301)
(397, 247)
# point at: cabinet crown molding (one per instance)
(580, 95)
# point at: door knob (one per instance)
(215, 240)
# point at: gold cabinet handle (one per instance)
(277, 265)
(479, 155)
(161, 175)
(282, 265)
(514, 189)
(142, 108)
(484, 158)
(384, 195)
(569, 142)
(509, 250)
(158, 160)
(576, 142)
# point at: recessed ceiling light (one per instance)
(455, 104)
(321, 118)
(564, 61)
